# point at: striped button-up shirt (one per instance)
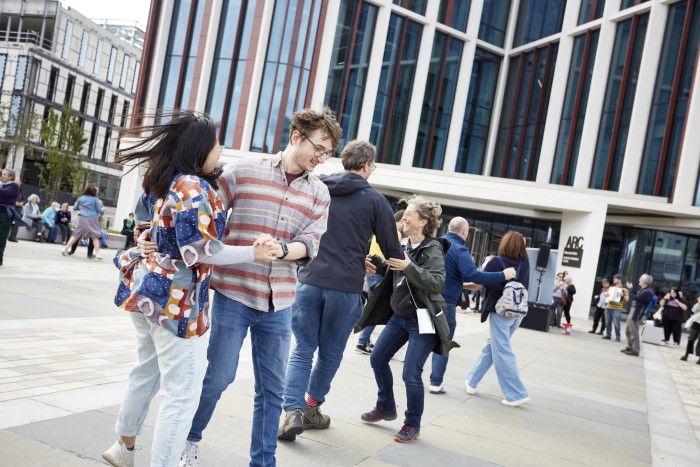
(261, 202)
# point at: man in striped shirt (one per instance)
(280, 197)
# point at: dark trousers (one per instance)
(129, 234)
(5, 226)
(65, 232)
(567, 312)
(672, 328)
(598, 317)
(90, 247)
(692, 337)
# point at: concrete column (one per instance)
(129, 190)
(158, 56)
(596, 96)
(419, 82)
(586, 230)
(558, 94)
(318, 98)
(369, 100)
(643, 98)
(208, 60)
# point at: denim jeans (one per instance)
(612, 317)
(498, 352)
(179, 364)
(270, 333)
(440, 361)
(372, 281)
(397, 331)
(52, 232)
(321, 319)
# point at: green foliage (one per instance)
(18, 130)
(63, 139)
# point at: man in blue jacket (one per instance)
(328, 301)
(459, 268)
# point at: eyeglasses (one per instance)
(319, 151)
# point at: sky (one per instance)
(131, 10)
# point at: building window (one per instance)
(3, 62)
(21, 74)
(83, 49)
(93, 138)
(125, 114)
(574, 111)
(414, 5)
(477, 115)
(630, 3)
(454, 13)
(125, 71)
(671, 97)
(105, 143)
(287, 71)
(98, 58)
(438, 100)
(85, 97)
(112, 64)
(591, 10)
(17, 91)
(53, 80)
(65, 53)
(350, 62)
(494, 21)
(231, 59)
(70, 87)
(112, 109)
(526, 102)
(536, 20)
(98, 103)
(617, 106)
(135, 80)
(183, 43)
(395, 87)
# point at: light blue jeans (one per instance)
(321, 319)
(440, 361)
(612, 317)
(177, 366)
(498, 352)
(270, 333)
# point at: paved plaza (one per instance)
(66, 350)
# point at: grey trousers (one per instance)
(632, 333)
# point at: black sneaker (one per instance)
(292, 426)
(684, 358)
(408, 434)
(365, 349)
(606, 337)
(313, 419)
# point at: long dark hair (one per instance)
(180, 145)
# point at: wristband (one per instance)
(285, 251)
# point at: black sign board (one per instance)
(573, 252)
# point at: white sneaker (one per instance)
(515, 403)
(676, 346)
(190, 455)
(470, 390)
(437, 389)
(119, 456)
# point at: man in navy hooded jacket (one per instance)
(329, 294)
(459, 268)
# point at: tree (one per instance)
(18, 128)
(64, 141)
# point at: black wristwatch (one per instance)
(285, 251)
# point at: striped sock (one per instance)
(311, 402)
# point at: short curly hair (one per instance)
(307, 120)
(427, 210)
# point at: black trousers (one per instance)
(692, 337)
(598, 317)
(672, 328)
(567, 314)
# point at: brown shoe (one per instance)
(632, 353)
(313, 419)
(626, 349)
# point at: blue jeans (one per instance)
(321, 319)
(53, 232)
(397, 331)
(270, 334)
(498, 352)
(372, 281)
(440, 361)
(612, 317)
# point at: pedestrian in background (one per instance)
(601, 298)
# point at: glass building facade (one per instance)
(571, 96)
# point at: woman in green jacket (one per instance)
(410, 285)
